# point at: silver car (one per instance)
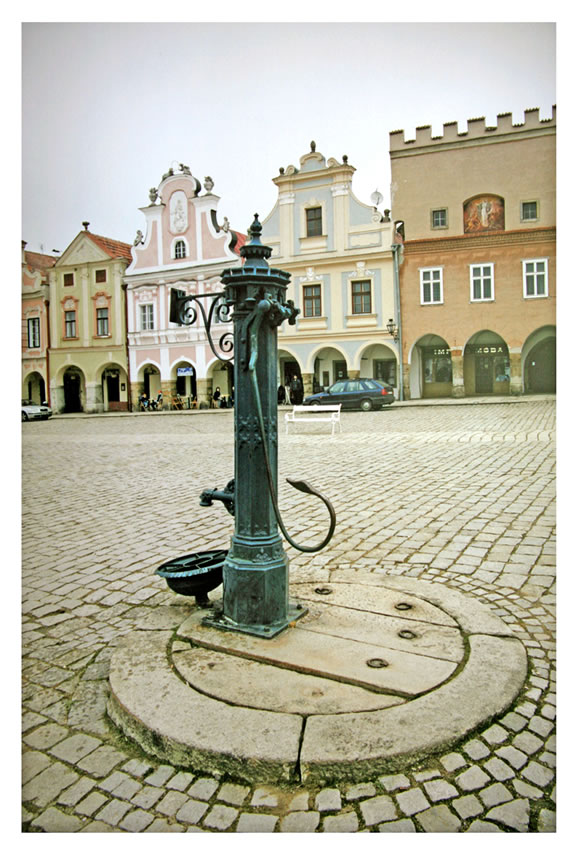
(31, 412)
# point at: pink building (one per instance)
(35, 325)
(184, 247)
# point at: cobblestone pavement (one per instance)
(459, 496)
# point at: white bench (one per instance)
(328, 414)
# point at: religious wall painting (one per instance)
(482, 213)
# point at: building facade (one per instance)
(339, 254)
(35, 325)
(88, 351)
(477, 270)
(185, 248)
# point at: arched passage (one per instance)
(430, 371)
(486, 364)
(539, 362)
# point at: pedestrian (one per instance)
(296, 391)
(281, 394)
(143, 402)
(216, 397)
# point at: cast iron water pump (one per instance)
(255, 570)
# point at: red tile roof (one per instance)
(41, 262)
(241, 240)
(112, 247)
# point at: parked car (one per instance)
(32, 412)
(365, 394)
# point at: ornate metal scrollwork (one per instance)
(184, 309)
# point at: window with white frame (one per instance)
(146, 317)
(482, 289)
(438, 218)
(431, 286)
(70, 324)
(314, 221)
(179, 252)
(102, 322)
(34, 332)
(535, 273)
(529, 210)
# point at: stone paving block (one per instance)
(147, 797)
(514, 757)
(328, 800)
(547, 821)
(467, 806)
(472, 779)
(220, 817)
(476, 750)
(378, 809)
(46, 736)
(265, 797)
(514, 722)
(346, 822)
(392, 783)
(495, 794)
(73, 795)
(91, 803)
(541, 726)
(33, 762)
(498, 769)
(101, 761)
(300, 802)
(453, 761)
(48, 784)
(412, 801)
(423, 776)
(403, 825)
(127, 788)
(181, 781)
(203, 788)
(440, 789)
(527, 742)
(439, 819)
(136, 821)
(538, 774)
(160, 775)
(483, 827)
(233, 793)
(162, 825)
(52, 820)
(171, 803)
(191, 811)
(300, 822)
(255, 822)
(113, 812)
(364, 789)
(515, 814)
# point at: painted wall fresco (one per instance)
(483, 213)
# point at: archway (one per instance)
(114, 387)
(431, 371)
(378, 361)
(539, 362)
(73, 385)
(186, 384)
(330, 365)
(486, 364)
(34, 388)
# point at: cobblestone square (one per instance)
(461, 495)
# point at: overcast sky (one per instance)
(107, 108)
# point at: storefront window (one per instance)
(437, 365)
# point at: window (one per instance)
(180, 250)
(68, 279)
(438, 218)
(102, 322)
(312, 301)
(529, 210)
(34, 332)
(431, 286)
(146, 313)
(101, 276)
(361, 297)
(535, 278)
(314, 221)
(482, 282)
(70, 323)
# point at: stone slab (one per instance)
(239, 681)
(169, 719)
(354, 745)
(329, 656)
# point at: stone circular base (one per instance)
(372, 677)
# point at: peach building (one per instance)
(184, 247)
(476, 211)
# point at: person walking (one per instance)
(216, 397)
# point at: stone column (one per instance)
(516, 373)
(94, 397)
(353, 374)
(457, 373)
(308, 383)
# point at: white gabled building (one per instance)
(184, 247)
(339, 253)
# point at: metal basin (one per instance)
(194, 575)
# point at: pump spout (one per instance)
(225, 496)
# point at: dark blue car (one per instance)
(365, 394)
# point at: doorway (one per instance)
(72, 391)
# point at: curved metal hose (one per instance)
(302, 486)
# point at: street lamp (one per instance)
(393, 330)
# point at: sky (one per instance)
(108, 107)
